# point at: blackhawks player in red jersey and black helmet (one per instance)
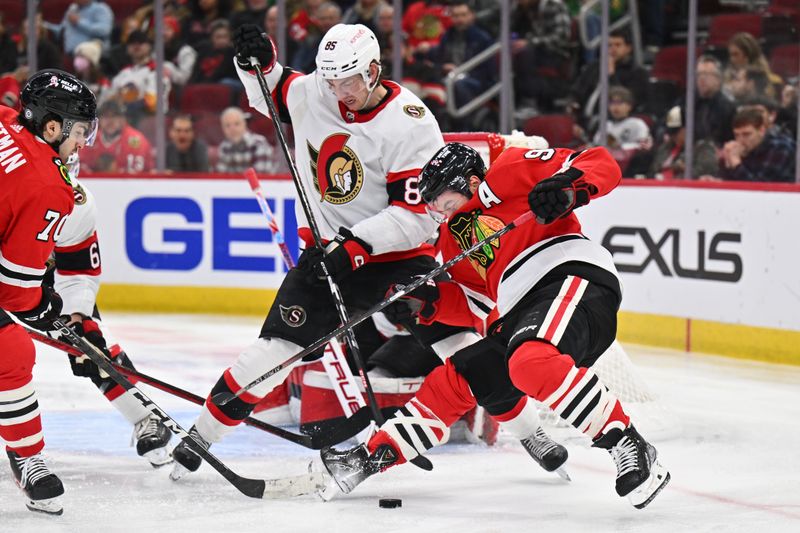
(557, 294)
(58, 119)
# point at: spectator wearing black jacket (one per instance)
(713, 110)
(622, 72)
(460, 43)
(214, 61)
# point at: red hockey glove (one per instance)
(417, 306)
(557, 196)
(344, 254)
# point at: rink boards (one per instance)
(705, 267)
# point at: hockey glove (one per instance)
(344, 254)
(556, 196)
(43, 315)
(250, 41)
(418, 306)
(87, 328)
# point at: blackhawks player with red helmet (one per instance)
(557, 294)
(58, 119)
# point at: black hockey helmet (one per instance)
(450, 169)
(53, 94)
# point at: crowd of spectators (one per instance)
(745, 121)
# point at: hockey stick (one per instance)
(221, 398)
(254, 488)
(350, 336)
(333, 360)
(340, 433)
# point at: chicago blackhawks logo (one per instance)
(294, 315)
(338, 175)
(469, 228)
(63, 170)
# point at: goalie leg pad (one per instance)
(483, 366)
(575, 394)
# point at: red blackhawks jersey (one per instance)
(130, 152)
(359, 169)
(35, 200)
(503, 271)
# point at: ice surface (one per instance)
(735, 466)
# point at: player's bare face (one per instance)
(80, 135)
(447, 203)
(351, 91)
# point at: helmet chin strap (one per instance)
(372, 88)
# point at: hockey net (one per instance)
(614, 368)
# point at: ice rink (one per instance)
(735, 465)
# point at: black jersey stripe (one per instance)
(558, 240)
(579, 396)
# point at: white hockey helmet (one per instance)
(346, 50)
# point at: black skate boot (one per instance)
(548, 453)
(349, 468)
(640, 476)
(151, 438)
(41, 487)
(186, 460)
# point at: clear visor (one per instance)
(81, 132)
(439, 218)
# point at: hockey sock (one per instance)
(424, 421)
(20, 421)
(575, 394)
(122, 400)
(216, 421)
(522, 421)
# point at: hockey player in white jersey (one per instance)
(361, 143)
(77, 279)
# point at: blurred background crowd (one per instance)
(745, 76)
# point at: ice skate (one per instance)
(640, 476)
(186, 459)
(40, 486)
(349, 468)
(152, 437)
(548, 453)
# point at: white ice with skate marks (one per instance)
(734, 468)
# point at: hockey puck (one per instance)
(390, 503)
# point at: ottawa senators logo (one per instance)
(294, 315)
(79, 193)
(63, 170)
(338, 175)
(469, 228)
(414, 111)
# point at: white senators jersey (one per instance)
(359, 169)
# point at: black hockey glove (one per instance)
(556, 196)
(87, 328)
(344, 254)
(43, 315)
(250, 41)
(417, 304)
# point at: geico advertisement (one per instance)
(192, 232)
(722, 255)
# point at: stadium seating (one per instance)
(785, 61)
(670, 64)
(206, 97)
(723, 27)
(558, 129)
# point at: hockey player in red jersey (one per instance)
(557, 294)
(58, 118)
(369, 211)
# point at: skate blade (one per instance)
(51, 506)
(562, 472)
(647, 491)
(178, 471)
(158, 457)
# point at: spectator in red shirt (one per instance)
(10, 85)
(130, 149)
